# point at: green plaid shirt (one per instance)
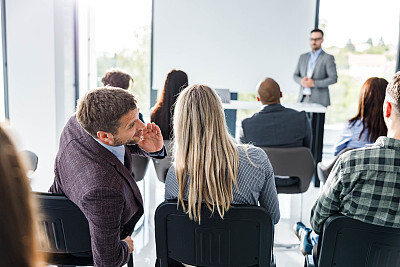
(365, 185)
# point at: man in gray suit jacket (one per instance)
(275, 125)
(93, 168)
(315, 71)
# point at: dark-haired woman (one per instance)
(368, 124)
(163, 111)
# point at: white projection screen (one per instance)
(230, 44)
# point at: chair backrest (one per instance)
(324, 171)
(65, 227)
(349, 242)
(139, 167)
(293, 162)
(243, 238)
(162, 165)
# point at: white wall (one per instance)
(87, 54)
(231, 43)
(40, 77)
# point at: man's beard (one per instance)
(133, 141)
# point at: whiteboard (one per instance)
(230, 43)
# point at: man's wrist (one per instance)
(157, 152)
(126, 243)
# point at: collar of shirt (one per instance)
(388, 142)
(316, 53)
(263, 106)
(118, 151)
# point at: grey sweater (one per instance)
(256, 184)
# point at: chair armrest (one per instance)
(309, 261)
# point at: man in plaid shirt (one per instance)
(364, 183)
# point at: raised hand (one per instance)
(152, 139)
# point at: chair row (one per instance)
(243, 238)
(294, 162)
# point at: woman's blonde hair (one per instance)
(204, 151)
(18, 235)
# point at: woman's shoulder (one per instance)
(352, 124)
(171, 173)
(350, 127)
(253, 153)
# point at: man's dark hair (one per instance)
(318, 30)
(117, 78)
(393, 91)
(101, 109)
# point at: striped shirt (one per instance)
(364, 184)
(256, 184)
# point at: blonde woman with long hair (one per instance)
(209, 167)
(18, 235)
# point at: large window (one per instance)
(363, 36)
(122, 40)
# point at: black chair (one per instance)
(66, 238)
(349, 242)
(66, 231)
(243, 238)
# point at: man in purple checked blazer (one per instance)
(93, 168)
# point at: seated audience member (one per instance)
(368, 124)
(93, 168)
(209, 166)
(18, 233)
(121, 79)
(275, 125)
(364, 183)
(163, 111)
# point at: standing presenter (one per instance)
(315, 71)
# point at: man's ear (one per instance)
(105, 138)
(258, 99)
(387, 109)
(280, 93)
